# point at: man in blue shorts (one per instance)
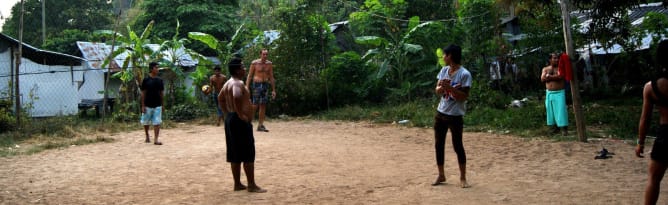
(151, 102)
(216, 81)
(261, 74)
(555, 96)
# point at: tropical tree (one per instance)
(85, 16)
(396, 46)
(215, 17)
(299, 55)
(224, 49)
(176, 52)
(478, 20)
(397, 57)
(137, 55)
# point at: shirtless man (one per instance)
(655, 93)
(555, 96)
(262, 75)
(234, 99)
(216, 81)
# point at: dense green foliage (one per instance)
(299, 55)
(348, 78)
(215, 17)
(65, 21)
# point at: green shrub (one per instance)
(7, 121)
(482, 95)
(347, 75)
(185, 112)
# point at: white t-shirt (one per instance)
(448, 105)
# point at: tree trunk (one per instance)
(575, 85)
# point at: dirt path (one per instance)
(313, 162)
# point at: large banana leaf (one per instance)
(371, 40)
(205, 38)
(411, 48)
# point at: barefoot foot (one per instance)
(256, 189)
(464, 184)
(239, 187)
(439, 180)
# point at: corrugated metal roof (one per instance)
(183, 58)
(636, 14)
(43, 56)
(96, 53)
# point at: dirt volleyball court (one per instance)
(317, 162)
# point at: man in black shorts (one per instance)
(234, 99)
(655, 92)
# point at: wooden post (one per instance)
(111, 60)
(575, 85)
(18, 63)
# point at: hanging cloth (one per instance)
(565, 68)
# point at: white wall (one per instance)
(51, 90)
(45, 90)
(5, 71)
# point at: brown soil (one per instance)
(315, 162)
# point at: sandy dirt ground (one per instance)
(314, 162)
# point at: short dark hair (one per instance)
(455, 53)
(661, 53)
(234, 66)
(152, 65)
(216, 68)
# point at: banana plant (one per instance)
(137, 56)
(176, 52)
(393, 56)
(224, 51)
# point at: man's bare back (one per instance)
(236, 98)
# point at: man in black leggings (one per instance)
(453, 85)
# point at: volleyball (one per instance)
(206, 89)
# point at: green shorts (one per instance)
(555, 107)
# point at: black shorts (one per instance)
(239, 139)
(660, 147)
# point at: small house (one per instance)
(48, 81)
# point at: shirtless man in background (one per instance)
(216, 81)
(234, 100)
(555, 96)
(260, 77)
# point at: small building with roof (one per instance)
(48, 81)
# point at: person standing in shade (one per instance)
(555, 96)
(216, 81)
(260, 77)
(234, 99)
(654, 93)
(453, 85)
(152, 89)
